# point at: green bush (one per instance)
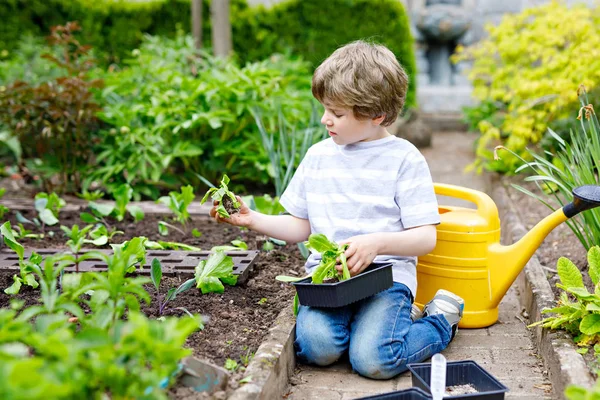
(526, 72)
(172, 116)
(307, 28)
(304, 27)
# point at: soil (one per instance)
(458, 390)
(229, 206)
(235, 321)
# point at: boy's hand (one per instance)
(361, 252)
(242, 218)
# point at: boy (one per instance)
(372, 190)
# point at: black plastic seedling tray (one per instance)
(407, 394)
(461, 373)
(374, 279)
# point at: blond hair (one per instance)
(364, 77)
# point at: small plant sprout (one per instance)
(3, 209)
(77, 237)
(231, 365)
(156, 276)
(178, 203)
(25, 276)
(228, 203)
(90, 196)
(122, 196)
(237, 245)
(48, 206)
(210, 274)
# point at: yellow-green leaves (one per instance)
(531, 65)
(593, 258)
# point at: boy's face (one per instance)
(344, 128)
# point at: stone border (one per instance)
(273, 363)
(565, 366)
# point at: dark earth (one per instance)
(235, 321)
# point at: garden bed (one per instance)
(236, 321)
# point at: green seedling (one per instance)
(227, 202)
(48, 207)
(210, 274)
(163, 228)
(178, 203)
(3, 209)
(196, 233)
(20, 232)
(161, 245)
(77, 237)
(246, 358)
(25, 276)
(231, 365)
(237, 246)
(156, 276)
(90, 196)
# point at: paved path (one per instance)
(504, 349)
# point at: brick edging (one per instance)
(564, 365)
(273, 363)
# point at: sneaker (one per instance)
(415, 312)
(449, 305)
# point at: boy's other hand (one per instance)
(242, 218)
(361, 252)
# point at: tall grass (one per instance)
(575, 163)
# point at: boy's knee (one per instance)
(371, 361)
(319, 342)
(317, 349)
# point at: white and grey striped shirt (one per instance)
(368, 187)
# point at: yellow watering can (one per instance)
(470, 261)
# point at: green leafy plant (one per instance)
(525, 72)
(48, 207)
(122, 195)
(575, 163)
(25, 276)
(54, 121)
(577, 310)
(178, 203)
(90, 196)
(326, 270)
(231, 365)
(156, 276)
(211, 273)
(228, 203)
(162, 245)
(236, 246)
(77, 237)
(3, 208)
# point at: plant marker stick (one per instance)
(438, 376)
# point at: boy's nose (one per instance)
(325, 120)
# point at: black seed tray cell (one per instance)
(174, 263)
(407, 394)
(461, 373)
(374, 279)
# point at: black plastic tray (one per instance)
(374, 279)
(461, 373)
(407, 394)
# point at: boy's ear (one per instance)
(378, 120)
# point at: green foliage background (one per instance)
(305, 27)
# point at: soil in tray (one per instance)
(238, 319)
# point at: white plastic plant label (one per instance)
(438, 376)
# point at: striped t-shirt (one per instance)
(367, 187)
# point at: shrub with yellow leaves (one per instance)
(529, 68)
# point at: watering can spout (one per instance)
(469, 260)
(506, 262)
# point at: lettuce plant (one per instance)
(48, 206)
(228, 203)
(211, 273)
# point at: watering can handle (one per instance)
(485, 205)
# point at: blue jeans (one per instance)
(377, 332)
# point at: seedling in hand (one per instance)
(227, 202)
